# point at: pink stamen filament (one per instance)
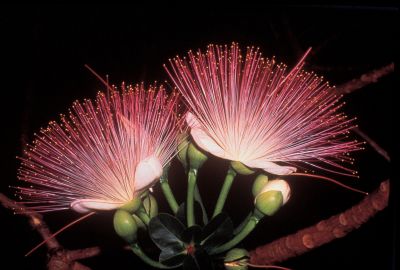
(330, 180)
(58, 232)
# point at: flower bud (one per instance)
(259, 183)
(150, 205)
(240, 168)
(236, 259)
(144, 193)
(196, 156)
(183, 144)
(139, 222)
(125, 225)
(272, 196)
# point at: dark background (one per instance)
(43, 52)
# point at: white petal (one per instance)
(88, 205)
(192, 121)
(147, 171)
(270, 167)
(202, 139)
(278, 185)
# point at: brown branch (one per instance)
(66, 259)
(35, 220)
(83, 253)
(60, 259)
(366, 79)
(373, 144)
(324, 231)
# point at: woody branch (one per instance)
(324, 231)
(59, 258)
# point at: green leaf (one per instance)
(192, 235)
(198, 261)
(218, 231)
(172, 258)
(166, 231)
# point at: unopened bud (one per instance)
(183, 144)
(236, 259)
(125, 225)
(139, 222)
(150, 205)
(272, 196)
(196, 156)
(260, 182)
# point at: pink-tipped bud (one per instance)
(272, 197)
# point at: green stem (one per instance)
(250, 225)
(139, 252)
(192, 175)
(244, 222)
(197, 198)
(230, 176)
(169, 195)
(141, 213)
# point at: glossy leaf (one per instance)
(198, 261)
(192, 235)
(166, 231)
(172, 257)
(218, 231)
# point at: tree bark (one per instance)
(59, 258)
(366, 79)
(324, 231)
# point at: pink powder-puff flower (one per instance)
(103, 154)
(249, 109)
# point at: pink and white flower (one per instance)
(103, 154)
(247, 108)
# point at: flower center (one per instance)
(190, 249)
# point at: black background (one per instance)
(43, 52)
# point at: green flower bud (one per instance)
(269, 202)
(183, 144)
(139, 222)
(240, 168)
(236, 259)
(272, 196)
(125, 225)
(133, 205)
(259, 183)
(196, 157)
(144, 193)
(150, 205)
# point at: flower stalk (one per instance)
(169, 196)
(247, 229)
(192, 177)
(230, 176)
(140, 253)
